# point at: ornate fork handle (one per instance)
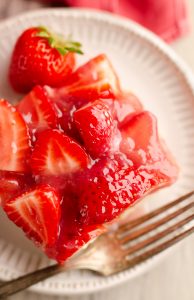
(25, 281)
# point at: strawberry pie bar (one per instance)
(74, 157)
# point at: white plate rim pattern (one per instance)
(187, 76)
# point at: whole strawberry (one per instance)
(39, 57)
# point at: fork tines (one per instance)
(149, 235)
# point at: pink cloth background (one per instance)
(167, 18)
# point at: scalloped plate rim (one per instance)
(142, 33)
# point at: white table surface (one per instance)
(173, 278)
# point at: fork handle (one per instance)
(13, 286)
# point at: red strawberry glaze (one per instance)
(124, 105)
(112, 185)
(73, 236)
(95, 80)
(141, 143)
(13, 184)
(98, 195)
(95, 153)
(96, 126)
(101, 191)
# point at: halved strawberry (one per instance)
(141, 143)
(12, 184)
(95, 124)
(57, 154)
(37, 213)
(96, 76)
(38, 110)
(14, 139)
(93, 80)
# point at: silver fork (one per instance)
(129, 245)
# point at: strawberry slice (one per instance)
(37, 213)
(142, 145)
(14, 139)
(38, 110)
(95, 124)
(57, 154)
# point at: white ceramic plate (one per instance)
(146, 66)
